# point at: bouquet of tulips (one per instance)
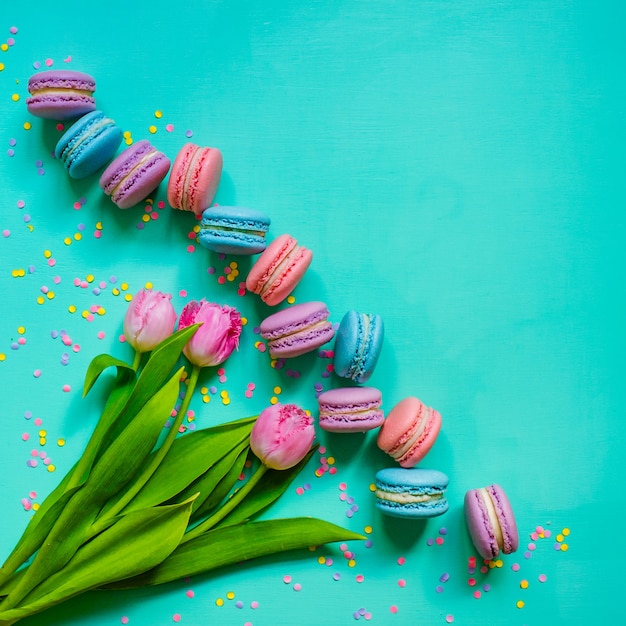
(143, 506)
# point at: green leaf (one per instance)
(137, 542)
(202, 507)
(98, 365)
(156, 371)
(232, 544)
(111, 472)
(271, 486)
(189, 457)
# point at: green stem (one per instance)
(231, 503)
(137, 360)
(104, 520)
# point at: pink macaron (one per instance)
(350, 409)
(409, 431)
(194, 178)
(297, 330)
(278, 270)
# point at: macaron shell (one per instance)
(59, 94)
(405, 492)
(358, 345)
(399, 427)
(88, 144)
(134, 174)
(273, 282)
(506, 517)
(350, 409)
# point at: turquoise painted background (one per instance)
(455, 167)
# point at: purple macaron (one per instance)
(134, 174)
(61, 94)
(350, 409)
(490, 521)
(299, 329)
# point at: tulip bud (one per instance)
(218, 336)
(149, 320)
(282, 435)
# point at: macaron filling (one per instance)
(60, 92)
(273, 278)
(489, 509)
(186, 199)
(210, 226)
(407, 498)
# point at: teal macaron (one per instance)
(88, 144)
(411, 493)
(358, 345)
(233, 230)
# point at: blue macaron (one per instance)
(233, 230)
(88, 144)
(411, 493)
(358, 345)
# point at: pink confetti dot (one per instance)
(13, 30)
(38, 421)
(169, 127)
(254, 604)
(101, 334)
(515, 567)
(286, 579)
(189, 593)
(66, 388)
(477, 594)
(124, 620)
(402, 583)
(6, 233)
(297, 587)
(449, 619)
(25, 437)
(393, 609)
(37, 373)
(542, 578)
(299, 491)
(49, 62)
(360, 578)
(401, 560)
(176, 617)
(532, 546)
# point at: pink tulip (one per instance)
(218, 336)
(149, 320)
(282, 435)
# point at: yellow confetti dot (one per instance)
(372, 487)
(40, 300)
(158, 114)
(115, 291)
(225, 401)
(149, 201)
(98, 225)
(126, 134)
(233, 265)
(351, 563)
(231, 277)
(36, 504)
(277, 390)
(27, 125)
(206, 399)
(42, 433)
(124, 286)
(524, 584)
(566, 532)
(330, 460)
(18, 273)
(51, 468)
(15, 97)
(564, 547)
(219, 602)
(1, 66)
(21, 330)
(148, 285)
(67, 241)
(244, 321)
(321, 560)
(230, 595)
(145, 218)
(204, 390)
(492, 564)
(152, 129)
(520, 604)
(499, 563)
(50, 295)
(60, 442)
(273, 400)
(77, 236)
(101, 310)
(72, 308)
(312, 548)
(128, 297)
(4, 47)
(291, 299)
(89, 278)
(85, 314)
(47, 254)
(559, 537)
(223, 394)
(3, 356)
(42, 441)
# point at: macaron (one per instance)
(411, 493)
(233, 230)
(194, 178)
(278, 270)
(350, 409)
(61, 94)
(88, 144)
(298, 329)
(358, 345)
(409, 431)
(134, 174)
(490, 521)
